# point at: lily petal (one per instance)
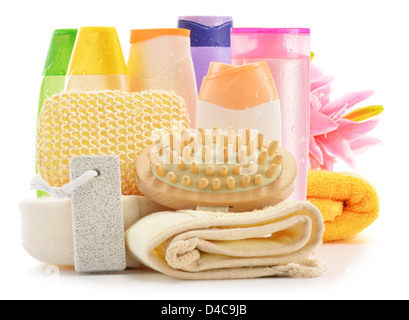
(337, 146)
(321, 123)
(315, 71)
(315, 102)
(342, 105)
(325, 95)
(321, 82)
(363, 144)
(324, 92)
(328, 164)
(314, 164)
(352, 130)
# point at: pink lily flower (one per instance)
(333, 136)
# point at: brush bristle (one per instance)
(217, 160)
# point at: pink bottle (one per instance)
(287, 53)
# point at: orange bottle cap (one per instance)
(147, 34)
(238, 87)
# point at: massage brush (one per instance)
(236, 170)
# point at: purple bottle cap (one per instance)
(209, 21)
(207, 31)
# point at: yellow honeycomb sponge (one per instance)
(76, 123)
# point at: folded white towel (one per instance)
(275, 241)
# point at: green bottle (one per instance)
(55, 69)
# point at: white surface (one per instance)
(362, 43)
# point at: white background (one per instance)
(364, 44)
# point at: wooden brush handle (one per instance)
(240, 201)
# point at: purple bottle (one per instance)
(210, 41)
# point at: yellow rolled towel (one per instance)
(348, 203)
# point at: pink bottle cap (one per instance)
(271, 30)
(270, 43)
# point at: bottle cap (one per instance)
(147, 34)
(238, 87)
(209, 21)
(59, 52)
(265, 43)
(272, 30)
(208, 31)
(97, 52)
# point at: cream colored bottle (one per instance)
(161, 59)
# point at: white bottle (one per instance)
(240, 96)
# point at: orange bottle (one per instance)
(240, 96)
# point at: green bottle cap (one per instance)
(60, 51)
